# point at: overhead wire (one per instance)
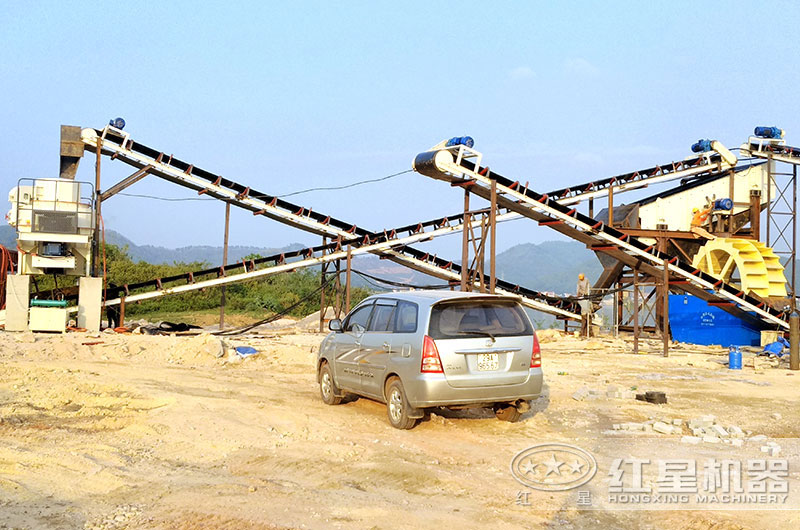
(299, 192)
(283, 312)
(351, 185)
(368, 277)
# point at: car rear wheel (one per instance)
(397, 407)
(327, 388)
(507, 413)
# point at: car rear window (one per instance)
(470, 318)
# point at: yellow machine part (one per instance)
(760, 270)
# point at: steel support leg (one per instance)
(636, 309)
(347, 279)
(224, 263)
(493, 238)
(323, 271)
(465, 245)
(665, 310)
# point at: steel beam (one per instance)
(128, 181)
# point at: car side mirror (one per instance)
(335, 325)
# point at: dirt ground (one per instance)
(135, 431)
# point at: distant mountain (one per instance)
(8, 236)
(549, 266)
(203, 253)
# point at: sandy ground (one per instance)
(157, 432)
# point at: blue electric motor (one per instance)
(723, 204)
(119, 123)
(702, 146)
(461, 140)
(768, 132)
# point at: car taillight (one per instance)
(536, 354)
(431, 363)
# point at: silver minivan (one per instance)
(419, 350)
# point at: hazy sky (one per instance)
(291, 95)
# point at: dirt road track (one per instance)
(147, 432)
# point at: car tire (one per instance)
(327, 386)
(507, 413)
(397, 407)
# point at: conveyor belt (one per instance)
(461, 165)
(118, 145)
(389, 243)
(776, 151)
(248, 270)
(695, 166)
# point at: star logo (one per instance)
(528, 467)
(553, 465)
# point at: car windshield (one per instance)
(470, 318)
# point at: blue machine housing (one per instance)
(460, 140)
(768, 132)
(695, 322)
(701, 146)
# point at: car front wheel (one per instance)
(397, 407)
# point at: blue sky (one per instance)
(287, 96)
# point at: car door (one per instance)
(405, 357)
(346, 367)
(376, 346)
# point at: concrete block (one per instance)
(677, 421)
(735, 432)
(694, 440)
(737, 442)
(662, 427)
(90, 299)
(757, 438)
(701, 423)
(719, 431)
(633, 426)
(711, 439)
(580, 394)
(17, 302)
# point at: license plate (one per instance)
(488, 362)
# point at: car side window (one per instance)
(382, 316)
(405, 320)
(358, 319)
